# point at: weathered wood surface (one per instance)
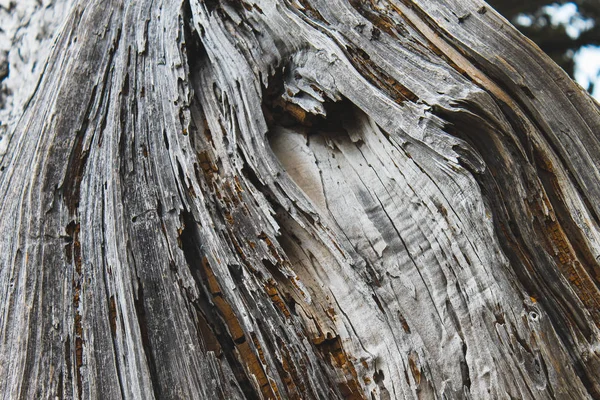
(299, 199)
(27, 28)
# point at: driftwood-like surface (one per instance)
(305, 199)
(27, 28)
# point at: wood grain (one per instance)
(307, 199)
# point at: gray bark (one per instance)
(308, 199)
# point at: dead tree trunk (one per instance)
(306, 199)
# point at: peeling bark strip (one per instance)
(308, 199)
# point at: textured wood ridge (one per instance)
(27, 28)
(304, 199)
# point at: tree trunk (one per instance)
(305, 199)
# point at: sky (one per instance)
(587, 59)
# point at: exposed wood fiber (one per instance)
(306, 199)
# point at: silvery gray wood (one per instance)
(27, 28)
(296, 199)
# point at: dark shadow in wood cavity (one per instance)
(212, 307)
(280, 113)
(140, 310)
